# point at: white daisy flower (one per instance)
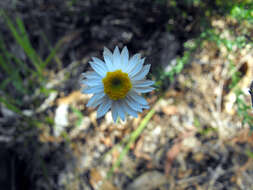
(117, 83)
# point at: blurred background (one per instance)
(198, 131)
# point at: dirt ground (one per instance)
(194, 140)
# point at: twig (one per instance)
(215, 175)
(191, 179)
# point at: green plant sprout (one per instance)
(17, 70)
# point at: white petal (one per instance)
(108, 58)
(129, 110)
(114, 111)
(99, 68)
(138, 103)
(138, 98)
(101, 63)
(97, 60)
(93, 89)
(133, 104)
(143, 90)
(137, 68)
(92, 82)
(91, 75)
(95, 100)
(132, 62)
(142, 83)
(124, 58)
(142, 73)
(116, 58)
(145, 106)
(120, 110)
(104, 107)
(125, 55)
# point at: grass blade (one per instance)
(132, 139)
(10, 106)
(53, 52)
(22, 39)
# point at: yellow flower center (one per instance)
(116, 84)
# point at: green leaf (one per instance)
(10, 106)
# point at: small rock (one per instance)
(147, 181)
(190, 142)
(61, 119)
(157, 130)
(84, 125)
